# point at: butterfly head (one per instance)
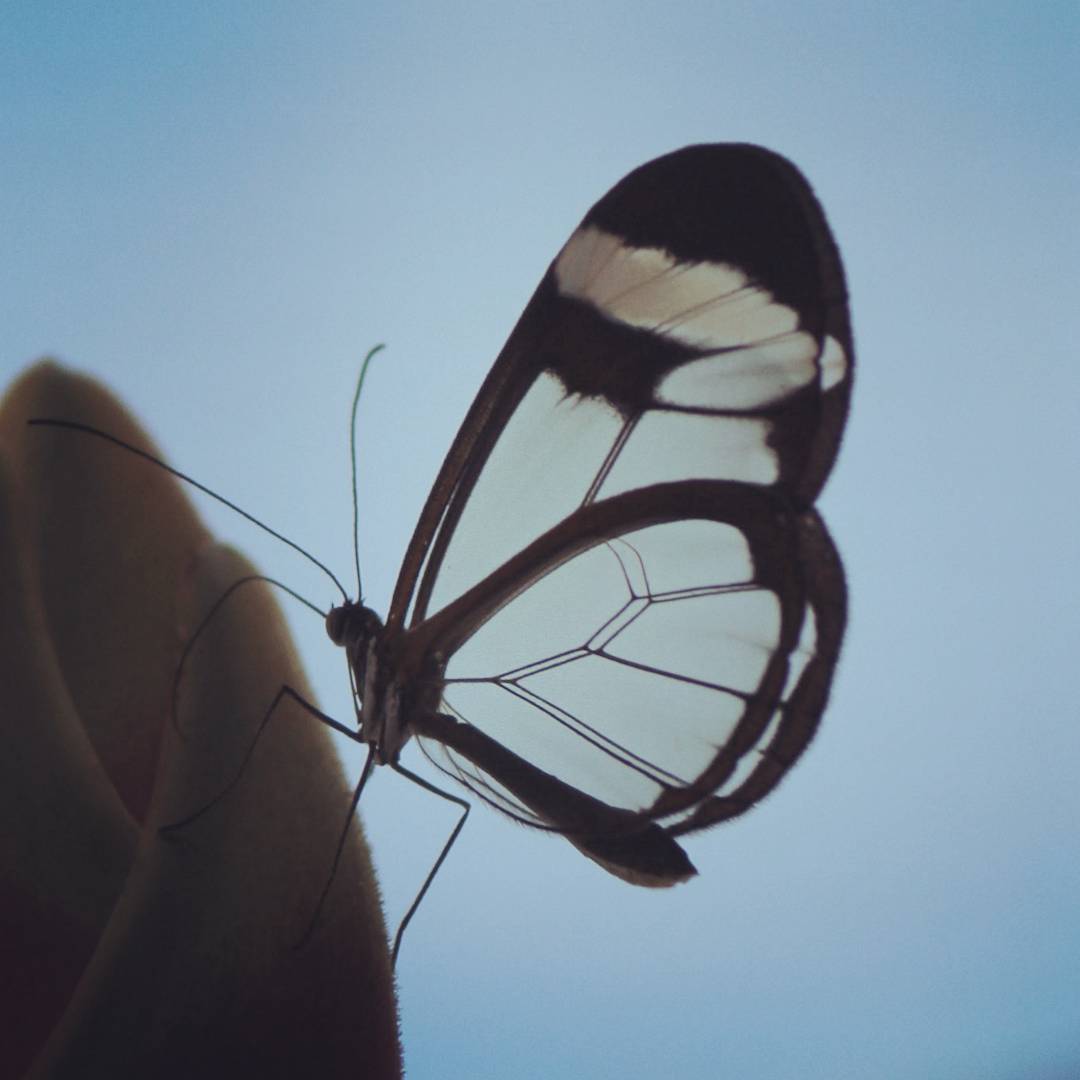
(352, 626)
(358, 630)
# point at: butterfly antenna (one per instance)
(352, 456)
(72, 425)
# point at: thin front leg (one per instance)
(192, 641)
(284, 692)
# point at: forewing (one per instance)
(694, 326)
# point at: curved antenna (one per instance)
(352, 457)
(72, 425)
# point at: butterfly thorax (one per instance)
(392, 681)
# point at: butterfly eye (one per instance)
(337, 622)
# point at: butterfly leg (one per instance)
(284, 692)
(208, 618)
(465, 807)
(353, 803)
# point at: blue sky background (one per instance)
(218, 207)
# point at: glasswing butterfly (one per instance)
(619, 615)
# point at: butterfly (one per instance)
(619, 615)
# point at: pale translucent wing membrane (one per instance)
(745, 378)
(586, 260)
(744, 783)
(728, 322)
(666, 445)
(628, 670)
(704, 305)
(747, 623)
(835, 364)
(537, 474)
(802, 654)
(811, 664)
(763, 746)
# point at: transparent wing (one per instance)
(673, 670)
(619, 561)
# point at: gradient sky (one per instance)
(219, 207)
